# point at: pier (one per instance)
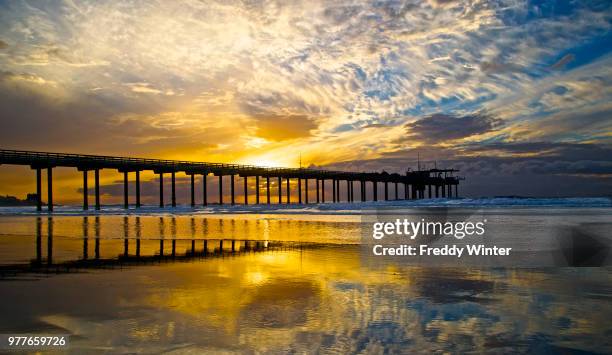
(431, 183)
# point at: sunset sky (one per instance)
(515, 94)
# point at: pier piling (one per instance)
(173, 177)
(246, 190)
(138, 189)
(38, 189)
(257, 189)
(375, 190)
(50, 189)
(280, 190)
(386, 191)
(97, 189)
(161, 190)
(220, 189)
(204, 190)
(322, 190)
(334, 191)
(125, 190)
(85, 190)
(232, 197)
(192, 176)
(268, 189)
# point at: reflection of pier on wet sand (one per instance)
(132, 249)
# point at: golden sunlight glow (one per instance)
(255, 277)
(268, 162)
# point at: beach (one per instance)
(285, 282)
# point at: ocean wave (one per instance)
(327, 208)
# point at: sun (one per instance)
(264, 162)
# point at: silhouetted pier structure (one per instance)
(417, 184)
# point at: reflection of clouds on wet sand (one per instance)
(322, 299)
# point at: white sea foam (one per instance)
(327, 208)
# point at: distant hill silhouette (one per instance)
(14, 201)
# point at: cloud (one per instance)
(436, 3)
(568, 151)
(3, 44)
(146, 88)
(30, 118)
(24, 78)
(584, 123)
(46, 54)
(439, 127)
(280, 128)
(527, 169)
(493, 67)
(376, 125)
